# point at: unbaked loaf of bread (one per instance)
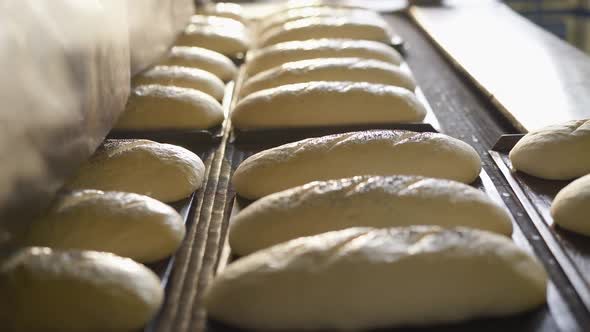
(183, 77)
(125, 224)
(165, 172)
(571, 206)
(557, 152)
(167, 107)
(224, 9)
(201, 58)
(319, 11)
(276, 55)
(225, 40)
(209, 20)
(327, 27)
(327, 103)
(364, 278)
(46, 290)
(374, 152)
(330, 69)
(363, 201)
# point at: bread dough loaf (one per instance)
(225, 40)
(126, 224)
(374, 152)
(165, 172)
(327, 103)
(276, 55)
(224, 9)
(363, 278)
(167, 107)
(571, 206)
(330, 69)
(320, 11)
(45, 290)
(327, 27)
(557, 152)
(201, 58)
(367, 201)
(220, 21)
(183, 77)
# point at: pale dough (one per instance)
(327, 27)
(226, 40)
(167, 107)
(322, 11)
(364, 278)
(571, 206)
(217, 21)
(330, 69)
(374, 152)
(557, 152)
(165, 172)
(46, 290)
(201, 58)
(183, 77)
(125, 224)
(327, 103)
(367, 201)
(224, 9)
(276, 55)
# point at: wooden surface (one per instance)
(532, 76)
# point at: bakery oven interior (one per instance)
(318, 165)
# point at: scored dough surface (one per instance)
(50, 290)
(168, 107)
(375, 152)
(330, 69)
(367, 201)
(183, 77)
(125, 224)
(278, 54)
(363, 278)
(162, 171)
(321, 103)
(556, 152)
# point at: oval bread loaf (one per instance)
(168, 107)
(364, 278)
(45, 290)
(376, 152)
(327, 103)
(323, 11)
(201, 58)
(225, 40)
(330, 69)
(557, 152)
(571, 206)
(327, 27)
(210, 20)
(183, 77)
(367, 201)
(162, 171)
(125, 224)
(276, 55)
(224, 9)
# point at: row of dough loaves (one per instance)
(82, 257)
(370, 229)
(184, 90)
(560, 152)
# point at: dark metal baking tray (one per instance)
(543, 319)
(572, 251)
